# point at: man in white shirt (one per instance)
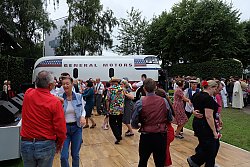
(237, 95)
(189, 94)
(99, 87)
(54, 91)
(139, 88)
(139, 84)
(175, 85)
(223, 93)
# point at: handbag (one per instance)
(189, 108)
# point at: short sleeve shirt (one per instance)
(203, 100)
(116, 96)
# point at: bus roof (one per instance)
(92, 57)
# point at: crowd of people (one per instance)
(205, 99)
(7, 92)
(235, 91)
(55, 113)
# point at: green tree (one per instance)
(26, 20)
(64, 47)
(208, 29)
(90, 28)
(160, 39)
(198, 31)
(131, 33)
(245, 46)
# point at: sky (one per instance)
(149, 8)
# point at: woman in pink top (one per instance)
(218, 99)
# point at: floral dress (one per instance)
(180, 115)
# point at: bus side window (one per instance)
(111, 72)
(75, 73)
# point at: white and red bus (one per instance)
(104, 67)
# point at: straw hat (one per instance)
(212, 83)
(243, 85)
(114, 79)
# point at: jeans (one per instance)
(74, 137)
(152, 143)
(40, 153)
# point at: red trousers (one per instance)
(170, 138)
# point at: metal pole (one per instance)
(45, 10)
(43, 43)
(69, 40)
(7, 78)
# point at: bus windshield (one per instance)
(151, 60)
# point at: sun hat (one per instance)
(243, 85)
(114, 79)
(212, 83)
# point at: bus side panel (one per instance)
(99, 68)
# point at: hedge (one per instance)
(214, 68)
(14, 70)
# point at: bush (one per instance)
(13, 69)
(214, 68)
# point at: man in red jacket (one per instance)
(151, 112)
(43, 128)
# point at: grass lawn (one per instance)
(236, 128)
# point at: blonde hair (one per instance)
(212, 83)
(125, 83)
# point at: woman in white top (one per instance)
(75, 119)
